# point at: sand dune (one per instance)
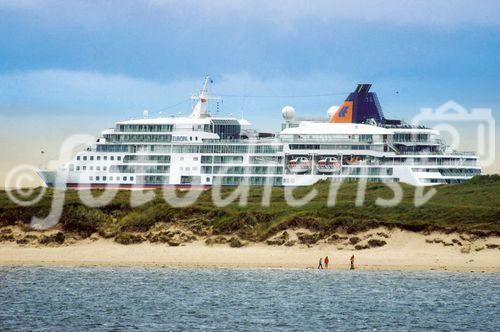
(404, 251)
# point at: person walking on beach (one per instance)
(327, 260)
(352, 262)
(320, 266)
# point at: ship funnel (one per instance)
(359, 106)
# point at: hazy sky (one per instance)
(78, 66)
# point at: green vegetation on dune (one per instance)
(472, 207)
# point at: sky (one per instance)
(71, 67)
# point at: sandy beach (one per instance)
(404, 251)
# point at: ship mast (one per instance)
(200, 108)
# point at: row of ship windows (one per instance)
(348, 179)
(241, 170)
(352, 171)
(111, 178)
(460, 170)
(239, 159)
(118, 138)
(99, 157)
(144, 128)
(204, 159)
(219, 148)
(331, 147)
(450, 170)
(194, 168)
(147, 159)
(449, 181)
(84, 168)
(253, 180)
(140, 168)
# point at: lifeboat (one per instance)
(299, 165)
(328, 165)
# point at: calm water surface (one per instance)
(225, 299)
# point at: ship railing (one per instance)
(243, 141)
(428, 141)
(328, 140)
(402, 126)
(451, 153)
(462, 153)
(423, 163)
(415, 163)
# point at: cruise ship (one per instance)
(355, 141)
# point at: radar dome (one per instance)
(288, 112)
(332, 110)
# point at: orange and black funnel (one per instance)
(359, 106)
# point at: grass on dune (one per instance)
(469, 207)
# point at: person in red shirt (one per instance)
(327, 260)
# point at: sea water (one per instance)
(239, 299)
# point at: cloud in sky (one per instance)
(422, 12)
(164, 40)
(443, 13)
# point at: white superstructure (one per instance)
(201, 150)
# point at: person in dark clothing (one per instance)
(352, 262)
(320, 266)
